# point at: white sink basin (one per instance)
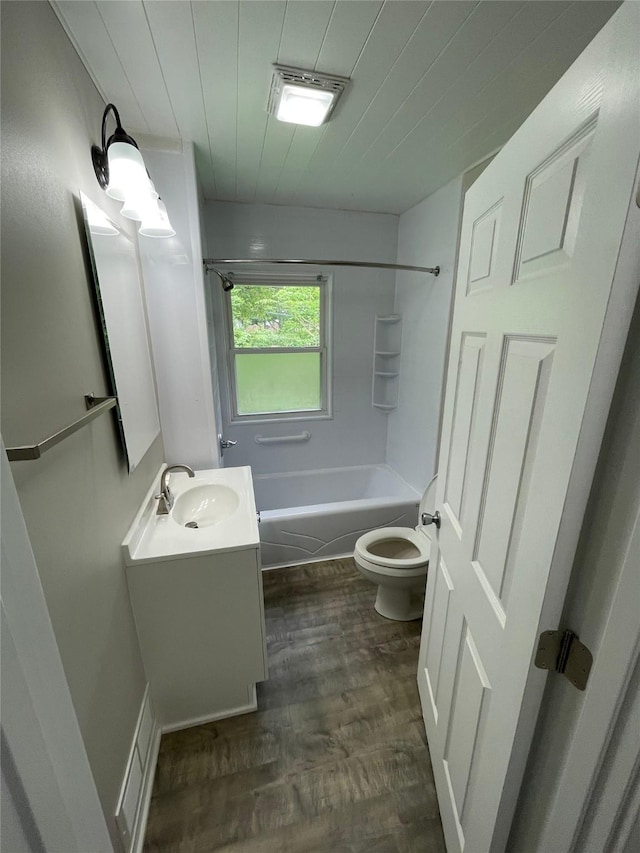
(204, 505)
(219, 500)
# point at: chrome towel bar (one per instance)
(96, 406)
(282, 439)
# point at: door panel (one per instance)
(536, 318)
(471, 691)
(463, 418)
(437, 627)
(484, 245)
(523, 381)
(552, 204)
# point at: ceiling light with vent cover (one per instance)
(303, 97)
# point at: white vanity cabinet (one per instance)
(200, 623)
(199, 615)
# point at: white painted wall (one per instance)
(427, 236)
(174, 291)
(356, 434)
(49, 797)
(78, 499)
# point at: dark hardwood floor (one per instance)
(335, 760)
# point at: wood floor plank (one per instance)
(335, 759)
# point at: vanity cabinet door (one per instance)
(200, 622)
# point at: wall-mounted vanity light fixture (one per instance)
(303, 97)
(121, 172)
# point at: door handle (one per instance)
(427, 518)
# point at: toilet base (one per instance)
(398, 604)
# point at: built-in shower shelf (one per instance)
(386, 362)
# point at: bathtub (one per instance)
(317, 515)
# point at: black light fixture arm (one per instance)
(99, 155)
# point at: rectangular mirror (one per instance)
(116, 275)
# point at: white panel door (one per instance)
(539, 324)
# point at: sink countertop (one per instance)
(154, 537)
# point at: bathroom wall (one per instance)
(78, 499)
(427, 236)
(356, 434)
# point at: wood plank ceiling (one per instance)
(435, 86)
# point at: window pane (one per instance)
(275, 316)
(278, 382)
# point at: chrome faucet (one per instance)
(165, 498)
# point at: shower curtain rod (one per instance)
(227, 284)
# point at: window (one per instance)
(277, 349)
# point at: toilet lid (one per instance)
(427, 504)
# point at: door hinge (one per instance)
(562, 651)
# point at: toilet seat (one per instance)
(391, 565)
(419, 537)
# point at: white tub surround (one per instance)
(429, 230)
(313, 515)
(197, 602)
(354, 434)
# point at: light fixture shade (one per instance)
(302, 105)
(127, 172)
(303, 97)
(155, 221)
(135, 204)
(121, 172)
(138, 198)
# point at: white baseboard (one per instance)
(292, 565)
(137, 785)
(252, 705)
(132, 811)
(147, 789)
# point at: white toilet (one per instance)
(397, 559)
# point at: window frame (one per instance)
(324, 283)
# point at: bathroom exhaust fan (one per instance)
(303, 97)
